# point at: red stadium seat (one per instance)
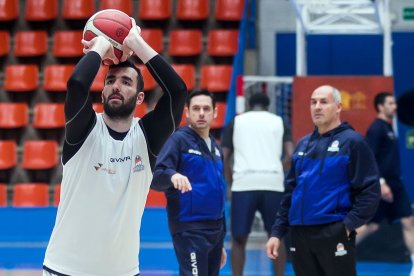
(149, 81)
(3, 195)
(30, 43)
(41, 10)
(141, 110)
(40, 155)
(98, 107)
(9, 10)
(4, 43)
(185, 42)
(154, 9)
(13, 115)
(78, 9)
(56, 194)
(156, 199)
(154, 37)
(187, 73)
(218, 122)
(184, 118)
(122, 5)
(193, 9)
(20, 78)
(30, 195)
(216, 78)
(99, 81)
(56, 77)
(222, 42)
(67, 44)
(229, 10)
(8, 155)
(49, 115)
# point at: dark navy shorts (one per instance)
(199, 251)
(244, 206)
(399, 208)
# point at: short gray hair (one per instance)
(336, 95)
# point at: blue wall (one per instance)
(355, 55)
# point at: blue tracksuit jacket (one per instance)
(186, 152)
(333, 177)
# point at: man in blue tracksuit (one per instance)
(189, 169)
(332, 188)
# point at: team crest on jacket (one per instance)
(138, 164)
(334, 146)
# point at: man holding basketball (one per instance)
(108, 160)
(332, 188)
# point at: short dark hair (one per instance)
(380, 99)
(259, 99)
(128, 63)
(204, 92)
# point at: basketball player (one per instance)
(190, 171)
(108, 160)
(331, 189)
(395, 204)
(257, 140)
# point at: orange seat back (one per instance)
(41, 10)
(3, 195)
(229, 10)
(216, 78)
(154, 9)
(8, 156)
(154, 38)
(4, 43)
(187, 73)
(222, 42)
(156, 199)
(40, 154)
(49, 115)
(193, 9)
(141, 110)
(125, 6)
(67, 44)
(218, 122)
(56, 194)
(21, 78)
(56, 77)
(149, 81)
(9, 10)
(14, 115)
(99, 81)
(185, 42)
(30, 195)
(30, 43)
(78, 9)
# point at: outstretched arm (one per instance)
(160, 123)
(80, 117)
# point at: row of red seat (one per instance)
(44, 10)
(51, 115)
(221, 42)
(37, 195)
(25, 77)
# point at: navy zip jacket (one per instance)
(187, 153)
(333, 177)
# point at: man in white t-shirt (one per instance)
(108, 160)
(257, 140)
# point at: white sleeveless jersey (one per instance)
(104, 190)
(258, 148)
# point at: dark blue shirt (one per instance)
(383, 142)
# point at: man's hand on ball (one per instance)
(130, 40)
(101, 46)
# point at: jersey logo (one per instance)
(340, 250)
(138, 164)
(100, 167)
(194, 151)
(334, 146)
(217, 152)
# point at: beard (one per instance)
(122, 111)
